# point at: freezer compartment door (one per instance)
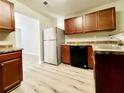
(49, 34)
(50, 52)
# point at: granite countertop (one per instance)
(77, 44)
(7, 50)
(109, 51)
(116, 50)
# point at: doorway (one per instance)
(28, 37)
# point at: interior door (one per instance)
(50, 52)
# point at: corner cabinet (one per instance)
(7, 22)
(10, 70)
(73, 25)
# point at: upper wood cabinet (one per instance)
(78, 25)
(7, 22)
(107, 19)
(91, 22)
(74, 25)
(103, 20)
(69, 26)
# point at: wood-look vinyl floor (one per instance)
(46, 78)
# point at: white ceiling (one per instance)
(63, 7)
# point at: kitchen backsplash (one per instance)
(7, 38)
(81, 38)
(95, 40)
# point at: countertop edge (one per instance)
(10, 50)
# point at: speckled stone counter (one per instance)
(116, 50)
(8, 50)
(109, 51)
(77, 44)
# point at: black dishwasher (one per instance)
(79, 56)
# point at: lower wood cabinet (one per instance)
(10, 72)
(66, 56)
(91, 60)
(109, 73)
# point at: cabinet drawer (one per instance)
(8, 56)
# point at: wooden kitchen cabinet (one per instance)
(69, 26)
(78, 24)
(10, 70)
(74, 25)
(102, 20)
(91, 60)
(65, 54)
(109, 72)
(7, 22)
(107, 19)
(91, 22)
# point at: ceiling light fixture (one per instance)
(45, 3)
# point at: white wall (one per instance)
(45, 21)
(60, 22)
(30, 34)
(18, 35)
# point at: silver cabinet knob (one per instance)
(2, 65)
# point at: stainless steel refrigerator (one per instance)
(53, 38)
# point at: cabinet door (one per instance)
(65, 52)
(74, 25)
(69, 26)
(11, 72)
(91, 22)
(78, 24)
(109, 71)
(107, 19)
(91, 61)
(7, 16)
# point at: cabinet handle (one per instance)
(2, 65)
